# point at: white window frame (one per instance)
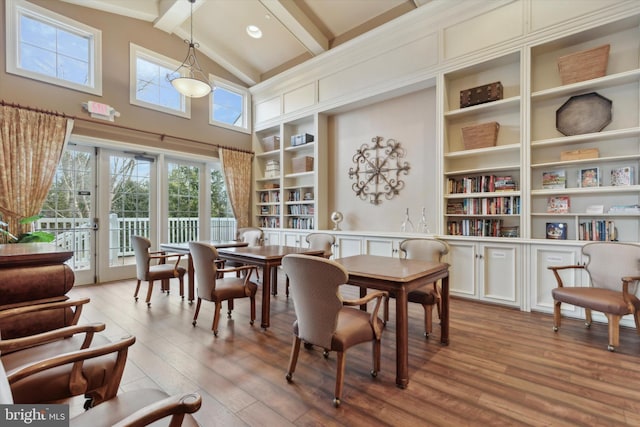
(136, 52)
(246, 107)
(17, 8)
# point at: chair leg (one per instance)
(181, 278)
(195, 316)
(135, 295)
(149, 290)
(376, 358)
(293, 359)
(216, 318)
(229, 308)
(340, 366)
(386, 310)
(614, 331)
(286, 289)
(253, 310)
(428, 321)
(557, 316)
(587, 315)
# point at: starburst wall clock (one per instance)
(377, 170)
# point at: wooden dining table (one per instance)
(183, 249)
(399, 277)
(267, 257)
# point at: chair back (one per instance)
(322, 241)
(141, 247)
(254, 236)
(204, 257)
(610, 261)
(424, 249)
(314, 285)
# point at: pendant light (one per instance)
(188, 78)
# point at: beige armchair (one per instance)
(325, 319)
(613, 270)
(212, 286)
(324, 241)
(253, 236)
(132, 409)
(429, 295)
(149, 272)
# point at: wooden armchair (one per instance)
(325, 319)
(614, 271)
(324, 241)
(149, 272)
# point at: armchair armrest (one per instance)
(11, 345)
(177, 406)
(239, 268)
(378, 296)
(556, 268)
(163, 257)
(41, 305)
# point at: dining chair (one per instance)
(429, 295)
(324, 241)
(150, 272)
(213, 286)
(132, 409)
(253, 236)
(613, 271)
(325, 319)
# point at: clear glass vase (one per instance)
(407, 225)
(423, 226)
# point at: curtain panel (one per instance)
(31, 144)
(237, 175)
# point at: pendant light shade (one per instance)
(188, 78)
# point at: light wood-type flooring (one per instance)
(503, 367)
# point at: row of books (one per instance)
(481, 184)
(602, 230)
(269, 222)
(589, 177)
(270, 197)
(475, 227)
(270, 210)
(485, 206)
(300, 210)
(297, 196)
(300, 223)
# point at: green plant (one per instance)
(29, 237)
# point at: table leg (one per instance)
(402, 339)
(190, 279)
(444, 315)
(266, 295)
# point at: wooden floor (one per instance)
(503, 367)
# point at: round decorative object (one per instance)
(582, 114)
(377, 170)
(336, 218)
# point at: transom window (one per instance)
(229, 106)
(52, 48)
(149, 85)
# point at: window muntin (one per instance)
(229, 106)
(52, 48)
(149, 85)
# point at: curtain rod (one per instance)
(161, 135)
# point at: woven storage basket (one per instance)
(480, 136)
(584, 65)
(302, 164)
(271, 143)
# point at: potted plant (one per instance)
(29, 237)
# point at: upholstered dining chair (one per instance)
(429, 295)
(324, 241)
(253, 236)
(147, 270)
(614, 271)
(133, 408)
(327, 320)
(214, 287)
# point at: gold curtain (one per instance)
(31, 144)
(237, 175)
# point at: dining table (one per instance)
(183, 249)
(399, 277)
(267, 257)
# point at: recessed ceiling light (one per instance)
(254, 31)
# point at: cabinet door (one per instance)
(463, 269)
(271, 237)
(347, 246)
(292, 239)
(499, 273)
(381, 246)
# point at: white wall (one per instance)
(410, 120)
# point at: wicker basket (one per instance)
(302, 164)
(584, 65)
(480, 136)
(271, 143)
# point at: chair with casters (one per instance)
(146, 270)
(213, 286)
(253, 236)
(613, 270)
(327, 320)
(324, 241)
(429, 295)
(133, 408)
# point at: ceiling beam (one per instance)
(173, 13)
(298, 24)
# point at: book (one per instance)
(554, 179)
(557, 230)
(622, 176)
(558, 204)
(589, 177)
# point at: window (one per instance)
(149, 86)
(183, 194)
(52, 48)
(229, 106)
